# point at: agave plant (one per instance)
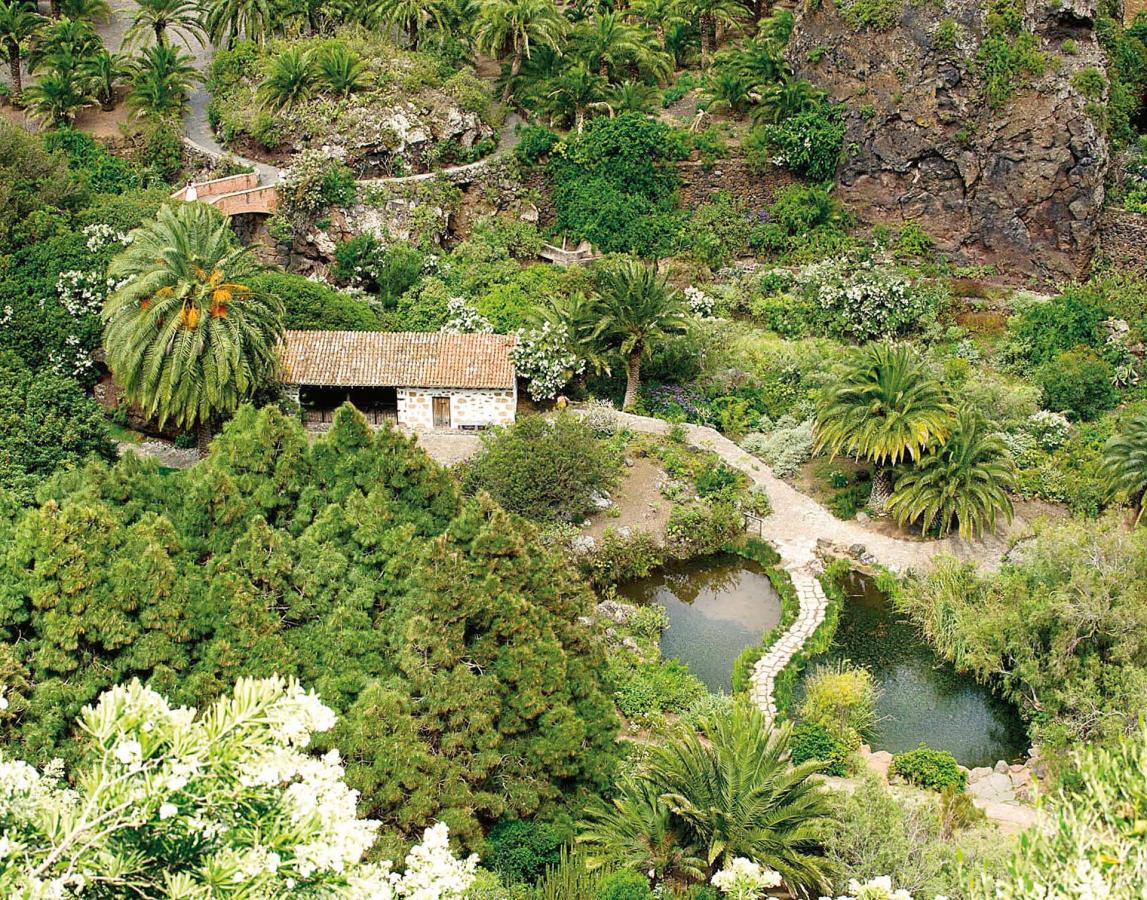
(288, 80)
(1124, 468)
(965, 482)
(186, 335)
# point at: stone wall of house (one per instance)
(468, 407)
(1123, 239)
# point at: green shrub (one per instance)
(947, 34)
(1042, 330)
(618, 558)
(875, 15)
(519, 851)
(388, 271)
(1008, 56)
(311, 306)
(625, 885)
(699, 529)
(809, 143)
(926, 768)
(718, 230)
(841, 698)
(664, 686)
(1079, 383)
(534, 142)
(103, 172)
(1090, 82)
(812, 741)
(544, 469)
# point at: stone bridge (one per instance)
(233, 195)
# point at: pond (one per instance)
(717, 606)
(922, 697)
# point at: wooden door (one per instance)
(441, 412)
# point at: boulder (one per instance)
(994, 788)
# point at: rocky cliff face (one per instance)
(1020, 187)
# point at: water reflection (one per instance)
(716, 606)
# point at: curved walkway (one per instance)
(795, 527)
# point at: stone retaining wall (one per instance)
(700, 181)
(1123, 239)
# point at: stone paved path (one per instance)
(794, 528)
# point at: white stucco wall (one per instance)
(467, 407)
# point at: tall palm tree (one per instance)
(1124, 467)
(513, 27)
(709, 15)
(163, 80)
(57, 96)
(659, 15)
(966, 481)
(884, 407)
(186, 336)
(411, 17)
(570, 95)
(288, 79)
(227, 21)
(341, 71)
(153, 19)
(637, 307)
(635, 830)
(19, 23)
(102, 73)
(736, 794)
(607, 44)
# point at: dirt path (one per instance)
(639, 501)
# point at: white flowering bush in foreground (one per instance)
(743, 879)
(221, 804)
(543, 357)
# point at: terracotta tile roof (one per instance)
(397, 359)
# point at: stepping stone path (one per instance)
(795, 528)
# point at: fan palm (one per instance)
(607, 44)
(227, 21)
(289, 79)
(185, 335)
(786, 98)
(572, 93)
(153, 18)
(737, 794)
(1124, 467)
(635, 830)
(709, 14)
(411, 17)
(513, 27)
(637, 307)
(883, 407)
(162, 82)
(341, 71)
(19, 23)
(966, 481)
(102, 73)
(57, 96)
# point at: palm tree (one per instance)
(513, 27)
(728, 91)
(965, 481)
(18, 25)
(607, 44)
(154, 17)
(635, 830)
(341, 71)
(164, 77)
(736, 794)
(289, 79)
(709, 14)
(102, 72)
(660, 15)
(786, 98)
(64, 45)
(572, 93)
(630, 96)
(1124, 467)
(227, 21)
(883, 407)
(637, 307)
(185, 335)
(90, 10)
(411, 17)
(57, 96)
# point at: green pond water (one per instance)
(922, 697)
(717, 606)
(721, 604)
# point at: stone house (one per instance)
(420, 381)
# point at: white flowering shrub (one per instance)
(101, 235)
(543, 357)
(863, 301)
(702, 305)
(226, 803)
(317, 179)
(879, 888)
(1049, 430)
(601, 417)
(785, 447)
(462, 318)
(743, 879)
